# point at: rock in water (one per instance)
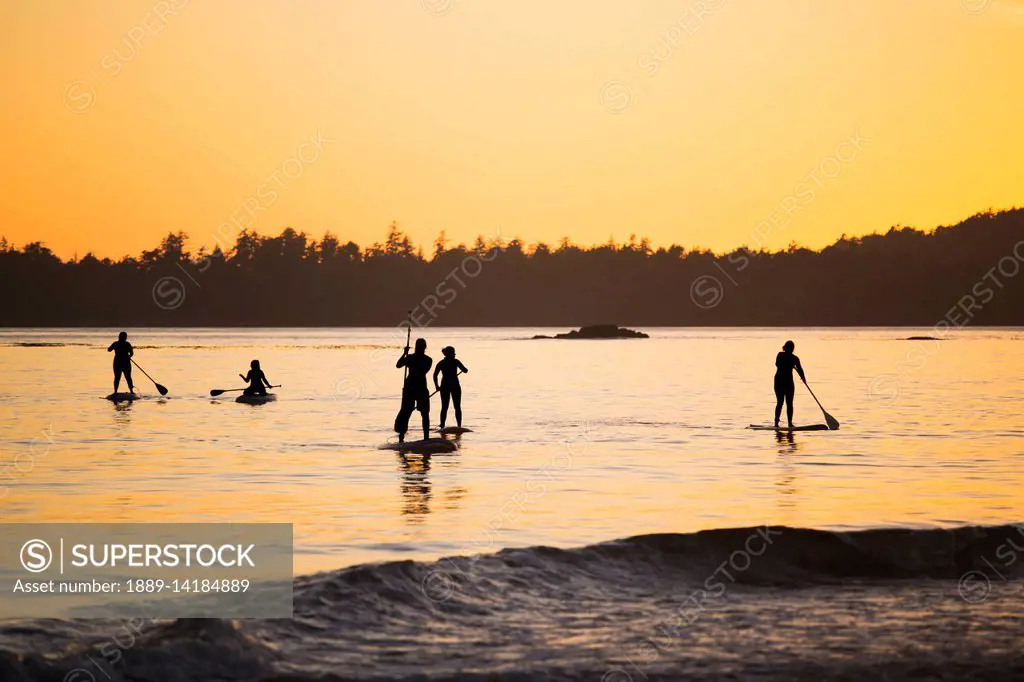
(598, 331)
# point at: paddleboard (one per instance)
(431, 446)
(453, 431)
(122, 397)
(256, 399)
(809, 427)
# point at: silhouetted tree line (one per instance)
(902, 277)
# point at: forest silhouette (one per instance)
(902, 277)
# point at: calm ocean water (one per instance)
(574, 442)
(618, 452)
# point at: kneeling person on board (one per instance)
(450, 388)
(258, 382)
(123, 353)
(415, 395)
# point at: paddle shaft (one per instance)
(831, 421)
(219, 391)
(143, 371)
(408, 338)
(458, 373)
(814, 396)
(159, 388)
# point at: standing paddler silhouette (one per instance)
(415, 396)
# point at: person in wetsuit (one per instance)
(415, 395)
(785, 363)
(123, 353)
(258, 382)
(449, 387)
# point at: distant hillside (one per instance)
(964, 274)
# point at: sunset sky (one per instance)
(691, 122)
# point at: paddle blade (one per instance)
(833, 423)
(216, 392)
(162, 389)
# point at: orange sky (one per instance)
(695, 122)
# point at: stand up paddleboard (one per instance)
(431, 446)
(809, 427)
(256, 399)
(122, 397)
(453, 431)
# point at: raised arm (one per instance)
(111, 346)
(462, 366)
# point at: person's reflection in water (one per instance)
(416, 488)
(786, 480)
(787, 442)
(122, 415)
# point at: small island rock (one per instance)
(598, 331)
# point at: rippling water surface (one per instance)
(574, 442)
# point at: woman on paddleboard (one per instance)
(123, 353)
(258, 382)
(785, 363)
(415, 395)
(450, 388)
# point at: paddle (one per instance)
(460, 372)
(162, 389)
(408, 338)
(218, 391)
(833, 423)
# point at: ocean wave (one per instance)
(571, 614)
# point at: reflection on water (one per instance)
(787, 442)
(786, 480)
(664, 449)
(122, 415)
(453, 498)
(415, 486)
